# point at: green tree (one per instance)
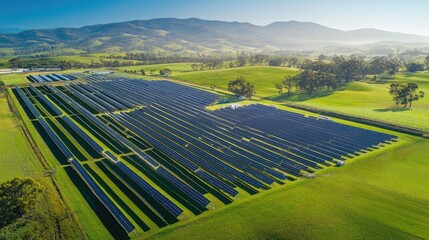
(308, 81)
(241, 87)
(143, 72)
(279, 87)
(415, 67)
(167, 71)
(350, 69)
(405, 93)
(194, 66)
(289, 82)
(427, 62)
(17, 197)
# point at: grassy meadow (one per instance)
(262, 77)
(372, 100)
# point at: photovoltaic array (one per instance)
(173, 153)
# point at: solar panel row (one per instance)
(111, 207)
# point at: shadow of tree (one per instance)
(392, 109)
(301, 96)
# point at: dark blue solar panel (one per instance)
(113, 209)
(161, 199)
(83, 134)
(27, 102)
(198, 197)
(217, 183)
(45, 100)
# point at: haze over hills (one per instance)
(10, 30)
(203, 36)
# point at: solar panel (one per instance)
(161, 199)
(198, 197)
(57, 111)
(27, 102)
(217, 183)
(83, 134)
(104, 199)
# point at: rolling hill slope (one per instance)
(199, 36)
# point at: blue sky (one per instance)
(409, 16)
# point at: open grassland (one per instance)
(16, 156)
(382, 195)
(373, 101)
(263, 78)
(176, 68)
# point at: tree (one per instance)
(427, 62)
(240, 87)
(167, 72)
(241, 60)
(280, 88)
(275, 62)
(405, 93)
(308, 81)
(289, 82)
(350, 69)
(17, 197)
(415, 67)
(378, 65)
(143, 72)
(194, 66)
(2, 85)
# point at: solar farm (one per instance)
(168, 154)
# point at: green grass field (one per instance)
(176, 68)
(372, 101)
(381, 195)
(264, 78)
(16, 156)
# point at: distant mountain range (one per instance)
(201, 36)
(10, 30)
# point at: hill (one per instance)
(198, 36)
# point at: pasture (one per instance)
(372, 100)
(263, 78)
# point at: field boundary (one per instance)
(375, 123)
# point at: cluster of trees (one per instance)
(153, 72)
(20, 216)
(241, 87)
(339, 70)
(321, 74)
(209, 64)
(405, 94)
(65, 64)
(152, 58)
(247, 59)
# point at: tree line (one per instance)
(330, 74)
(22, 62)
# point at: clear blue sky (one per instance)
(409, 16)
